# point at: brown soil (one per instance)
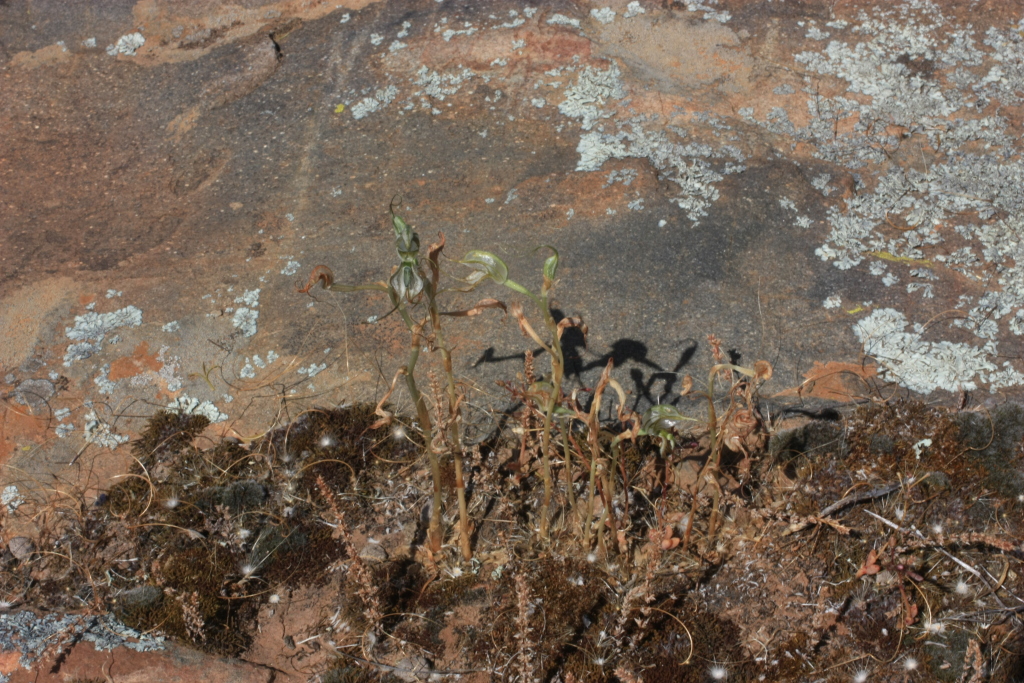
(883, 543)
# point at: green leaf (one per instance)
(551, 265)
(401, 227)
(407, 242)
(485, 266)
(661, 420)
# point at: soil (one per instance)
(882, 544)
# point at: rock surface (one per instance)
(833, 187)
(173, 665)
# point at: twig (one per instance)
(397, 669)
(801, 523)
(966, 539)
(897, 527)
(855, 498)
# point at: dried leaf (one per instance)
(910, 618)
(573, 321)
(870, 566)
(433, 254)
(320, 274)
(516, 310)
(385, 416)
(479, 308)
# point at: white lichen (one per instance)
(127, 44)
(593, 89)
(251, 298)
(440, 85)
(633, 9)
(467, 30)
(91, 329)
(380, 99)
(562, 20)
(913, 69)
(168, 369)
(313, 370)
(102, 381)
(94, 326)
(186, 405)
(101, 433)
(11, 498)
(245, 320)
(921, 365)
(710, 13)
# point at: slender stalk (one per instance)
(552, 400)
(423, 415)
(591, 487)
(608, 496)
(569, 493)
(616, 464)
(711, 467)
(434, 530)
(557, 373)
(455, 417)
(601, 525)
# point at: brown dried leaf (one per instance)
(479, 308)
(573, 321)
(385, 416)
(433, 253)
(870, 566)
(320, 273)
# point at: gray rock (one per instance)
(413, 669)
(373, 553)
(21, 547)
(141, 597)
(34, 392)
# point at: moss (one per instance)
(130, 497)
(870, 618)
(435, 599)
(953, 653)
(202, 570)
(342, 437)
(231, 461)
(570, 596)
(667, 654)
(345, 673)
(299, 553)
(994, 441)
(813, 440)
(168, 432)
(238, 496)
